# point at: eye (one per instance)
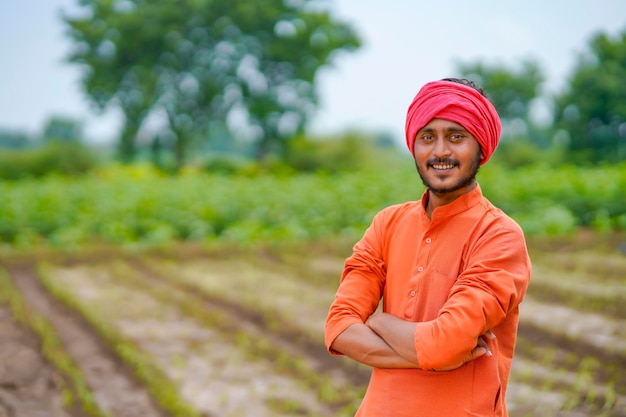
(426, 137)
(456, 137)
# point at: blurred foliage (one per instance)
(196, 64)
(510, 91)
(14, 140)
(55, 157)
(592, 110)
(139, 205)
(215, 78)
(62, 129)
(589, 116)
(548, 199)
(56, 129)
(518, 152)
(348, 152)
(327, 155)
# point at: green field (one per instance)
(206, 295)
(139, 206)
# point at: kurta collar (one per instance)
(464, 202)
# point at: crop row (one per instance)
(172, 337)
(121, 208)
(205, 329)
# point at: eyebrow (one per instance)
(447, 129)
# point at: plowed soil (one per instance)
(570, 360)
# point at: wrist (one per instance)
(373, 322)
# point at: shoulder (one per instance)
(401, 210)
(397, 217)
(499, 238)
(496, 219)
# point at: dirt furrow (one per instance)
(603, 332)
(225, 351)
(220, 370)
(581, 333)
(289, 338)
(115, 390)
(539, 388)
(29, 386)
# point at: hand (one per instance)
(482, 348)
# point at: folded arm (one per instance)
(362, 344)
(386, 341)
(399, 334)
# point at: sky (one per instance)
(405, 44)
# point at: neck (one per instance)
(436, 199)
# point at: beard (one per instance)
(462, 182)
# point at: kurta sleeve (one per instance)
(361, 285)
(492, 284)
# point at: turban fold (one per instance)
(457, 103)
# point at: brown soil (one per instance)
(30, 387)
(115, 390)
(24, 371)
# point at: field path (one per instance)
(28, 385)
(115, 390)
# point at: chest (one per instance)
(422, 266)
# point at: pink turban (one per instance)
(457, 103)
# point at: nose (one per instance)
(441, 148)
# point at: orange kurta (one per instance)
(461, 274)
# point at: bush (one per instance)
(56, 157)
(332, 155)
(515, 153)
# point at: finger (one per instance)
(483, 343)
(477, 352)
(490, 334)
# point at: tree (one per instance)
(592, 110)
(62, 129)
(15, 139)
(511, 92)
(116, 69)
(199, 63)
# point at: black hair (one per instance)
(468, 83)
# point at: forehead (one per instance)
(442, 124)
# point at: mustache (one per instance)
(442, 161)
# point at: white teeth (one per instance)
(441, 166)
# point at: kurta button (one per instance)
(428, 240)
(420, 269)
(412, 293)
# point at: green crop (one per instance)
(148, 209)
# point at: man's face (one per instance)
(447, 158)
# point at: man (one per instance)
(451, 270)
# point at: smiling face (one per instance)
(447, 158)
